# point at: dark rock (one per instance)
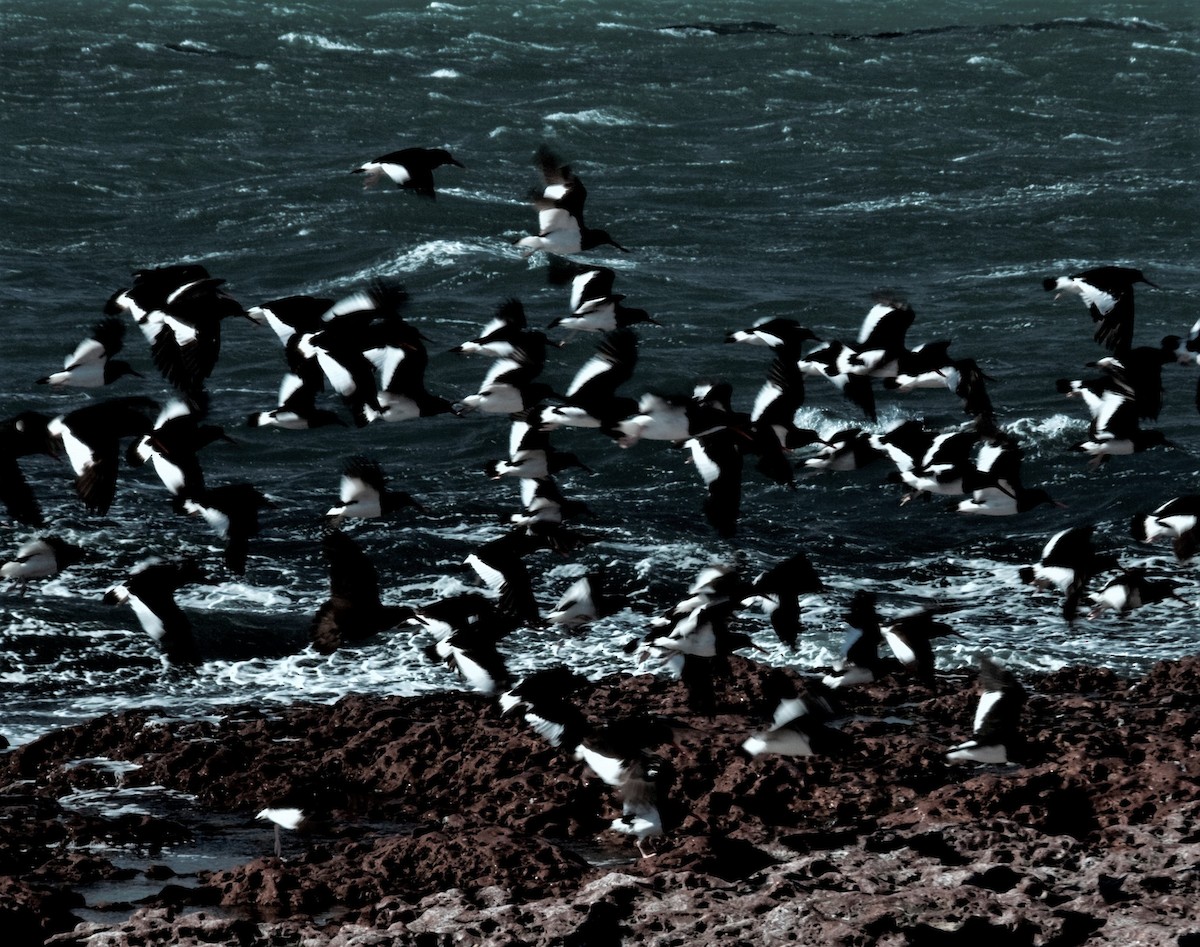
(436, 820)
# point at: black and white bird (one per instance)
(402, 392)
(172, 446)
(850, 367)
(297, 408)
(594, 307)
(786, 337)
(231, 511)
(531, 456)
(799, 718)
(150, 591)
(23, 435)
(185, 336)
(605, 314)
(962, 376)
(544, 505)
(996, 486)
(945, 468)
(472, 652)
(1069, 561)
(500, 565)
(859, 662)
(677, 417)
(40, 558)
(1132, 589)
(1114, 430)
(91, 437)
(1176, 519)
(545, 699)
(409, 168)
(511, 384)
(92, 364)
(1107, 291)
(364, 493)
(778, 590)
(559, 203)
(591, 399)
(586, 600)
(500, 334)
(910, 638)
(850, 448)
(621, 754)
(718, 459)
(152, 289)
(996, 727)
(354, 611)
(282, 818)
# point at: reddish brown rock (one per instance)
(437, 820)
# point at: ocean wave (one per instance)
(1166, 49)
(604, 117)
(999, 65)
(321, 42)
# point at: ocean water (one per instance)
(758, 159)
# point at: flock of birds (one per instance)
(362, 349)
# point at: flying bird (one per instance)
(409, 168)
(92, 364)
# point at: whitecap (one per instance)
(445, 74)
(321, 42)
(608, 117)
(1166, 49)
(992, 63)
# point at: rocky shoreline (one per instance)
(437, 820)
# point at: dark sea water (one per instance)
(759, 159)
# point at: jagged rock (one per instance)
(437, 820)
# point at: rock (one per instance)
(436, 820)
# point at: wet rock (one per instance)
(437, 820)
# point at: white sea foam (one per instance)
(320, 42)
(601, 117)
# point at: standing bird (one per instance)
(559, 204)
(92, 365)
(1107, 291)
(409, 168)
(289, 819)
(996, 729)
